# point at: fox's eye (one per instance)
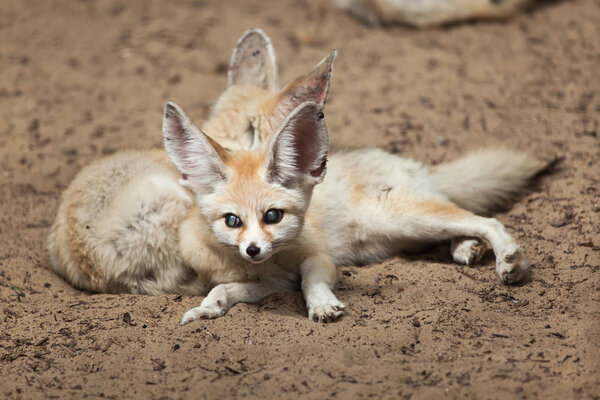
(233, 221)
(273, 216)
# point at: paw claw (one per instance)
(326, 313)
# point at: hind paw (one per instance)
(468, 251)
(511, 266)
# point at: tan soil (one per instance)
(80, 79)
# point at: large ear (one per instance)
(253, 62)
(313, 86)
(298, 151)
(196, 156)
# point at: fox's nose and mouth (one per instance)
(255, 254)
(253, 250)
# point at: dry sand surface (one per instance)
(82, 79)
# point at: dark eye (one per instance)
(273, 216)
(233, 221)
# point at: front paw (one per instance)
(327, 311)
(207, 310)
(511, 266)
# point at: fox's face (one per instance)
(252, 108)
(251, 213)
(254, 201)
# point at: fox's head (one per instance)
(254, 201)
(252, 108)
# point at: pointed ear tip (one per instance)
(332, 57)
(257, 31)
(171, 109)
(168, 109)
(327, 61)
(171, 105)
(254, 31)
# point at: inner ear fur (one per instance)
(198, 158)
(298, 151)
(312, 86)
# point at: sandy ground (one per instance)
(81, 79)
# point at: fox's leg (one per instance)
(442, 221)
(467, 251)
(319, 277)
(222, 297)
(435, 220)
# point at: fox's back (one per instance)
(115, 217)
(360, 185)
(374, 169)
(96, 185)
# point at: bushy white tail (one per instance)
(486, 180)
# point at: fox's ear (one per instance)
(313, 86)
(253, 62)
(298, 150)
(196, 156)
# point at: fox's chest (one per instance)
(282, 270)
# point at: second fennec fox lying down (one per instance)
(240, 225)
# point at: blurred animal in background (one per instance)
(427, 13)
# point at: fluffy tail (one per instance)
(486, 180)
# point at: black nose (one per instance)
(252, 250)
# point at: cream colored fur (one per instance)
(155, 222)
(373, 204)
(486, 180)
(425, 13)
(252, 108)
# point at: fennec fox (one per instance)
(424, 13)
(252, 108)
(265, 217)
